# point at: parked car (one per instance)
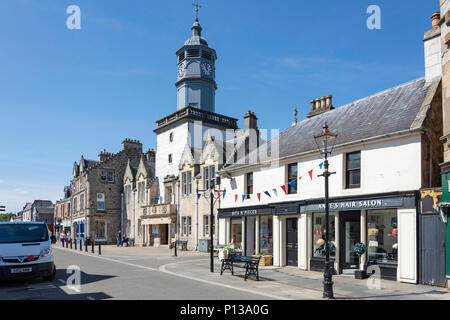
(25, 251)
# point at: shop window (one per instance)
(236, 232)
(353, 170)
(292, 177)
(170, 158)
(171, 137)
(249, 184)
(100, 230)
(382, 233)
(319, 233)
(266, 235)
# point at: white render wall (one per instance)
(197, 132)
(388, 166)
(163, 148)
(433, 67)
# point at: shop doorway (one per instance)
(291, 242)
(250, 236)
(350, 234)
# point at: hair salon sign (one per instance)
(364, 204)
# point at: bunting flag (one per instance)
(321, 165)
(243, 197)
(275, 192)
(284, 189)
(292, 184)
(218, 193)
(259, 196)
(235, 197)
(223, 194)
(311, 174)
(268, 194)
(198, 196)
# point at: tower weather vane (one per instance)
(197, 7)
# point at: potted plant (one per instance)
(359, 249)
(266, 260)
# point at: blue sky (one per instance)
(66, 93)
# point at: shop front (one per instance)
(375, 221)
(248, 229)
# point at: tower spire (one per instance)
(197, 7)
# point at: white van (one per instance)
(25, 251)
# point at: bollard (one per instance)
(76, 244)
(70, 243)
(85, 244)
(81, 245)
(99, 248)
(92, 246)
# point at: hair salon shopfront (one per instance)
(294, 232)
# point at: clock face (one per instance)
(207, 68)
(181, 70)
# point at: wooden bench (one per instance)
(180, 244)
(249, 263)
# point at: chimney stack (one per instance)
(131, 144)
(321, 105)
(433, 46)
(250, 121)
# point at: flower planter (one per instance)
(266, 261)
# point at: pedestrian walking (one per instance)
(57, 235)
(119, 238)
(69, 237)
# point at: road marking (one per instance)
(164, 270)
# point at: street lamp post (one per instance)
(176, 218)
(211, 196)
(325, 143)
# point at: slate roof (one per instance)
(44, 210)
(390, 111)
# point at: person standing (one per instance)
(119, 238)
(57, 235)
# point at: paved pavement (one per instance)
(153, 273)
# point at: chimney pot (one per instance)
(435, 18)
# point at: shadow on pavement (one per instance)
(38, 289)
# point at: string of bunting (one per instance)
(272, 193)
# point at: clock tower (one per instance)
(196, 86)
